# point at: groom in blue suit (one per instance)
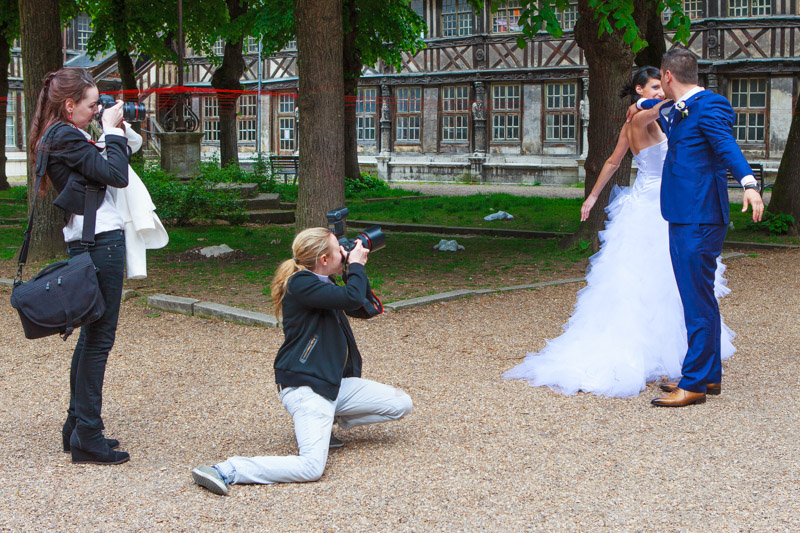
(694, 200)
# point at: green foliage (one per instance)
(772, 223)
(15, 193)
(132, 24)
(365, 182)
(178, 202)
(9, 21)
(612, 15)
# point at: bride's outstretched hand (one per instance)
(586, 208)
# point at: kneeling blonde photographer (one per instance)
(318, 367)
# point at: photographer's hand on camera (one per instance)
(112, 116)
(357, 255)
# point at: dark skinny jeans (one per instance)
(96, 339)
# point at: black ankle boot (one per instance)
(66, 433)
(95, 451)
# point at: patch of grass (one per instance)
(15, 193)
(9, 210)
(533, 213)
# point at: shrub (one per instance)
(178, 202)
(772, 223)
(365, 182)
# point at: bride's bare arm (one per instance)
(611, 165)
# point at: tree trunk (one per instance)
(786, 191)
(609, 59)
(321, 86)
(226, 81)
(127, 72)
(5, 60)
(352, 72)
(649, 21)
(40, 31)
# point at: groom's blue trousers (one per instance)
(694, 249)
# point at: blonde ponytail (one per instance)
(308, 246)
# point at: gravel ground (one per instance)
(477, 453)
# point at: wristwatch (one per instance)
(753, 186)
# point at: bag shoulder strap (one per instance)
(90, 206)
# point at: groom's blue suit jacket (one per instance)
(694, 185)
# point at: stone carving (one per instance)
(478, 106)
(385, 111)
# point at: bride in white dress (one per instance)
(628, 326)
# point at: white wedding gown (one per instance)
(627, 327)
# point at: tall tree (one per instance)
(373, 30)
(786, 191)
(609, 33)
(40, 31)
(206, 21)
(9, 30)
(321, 94)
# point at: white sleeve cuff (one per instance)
(114, 131)
(749, 180)
(639, 103)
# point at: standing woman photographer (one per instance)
(318, 367)
(75, 167)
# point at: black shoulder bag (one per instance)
(66, 294)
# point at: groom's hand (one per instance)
(632, 110)
(751, 197)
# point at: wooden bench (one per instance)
(758, 173)
(287, 165)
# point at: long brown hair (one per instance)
(308, 246)
(70, 82)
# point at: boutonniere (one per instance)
(681, 106)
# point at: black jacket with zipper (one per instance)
(73, 163)
(319, 348)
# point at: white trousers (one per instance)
(360, 402)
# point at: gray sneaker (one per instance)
(208, 477)
(335, 443)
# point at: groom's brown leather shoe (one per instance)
(680, 398)
(712, 389)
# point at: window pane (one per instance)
(286, 133)
(286, 103)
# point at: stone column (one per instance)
(584, 115)
(479, 119)
(385, 148)
(430, 120)
(386, 121)
(478, 157)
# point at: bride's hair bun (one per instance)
(640, 77)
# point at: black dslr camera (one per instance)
(131, 111)
(371, 238)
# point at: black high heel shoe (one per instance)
(69, 427)
(99, 455)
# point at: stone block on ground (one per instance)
(127, 294)
(244, 190)
(434, 298)
(6, 282)
(263, 202)
(234, 314)
(271, 217)
(172, 304)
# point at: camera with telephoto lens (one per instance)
(371, 238)
(131, 111)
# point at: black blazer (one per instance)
(73, 163)
(319, 348)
